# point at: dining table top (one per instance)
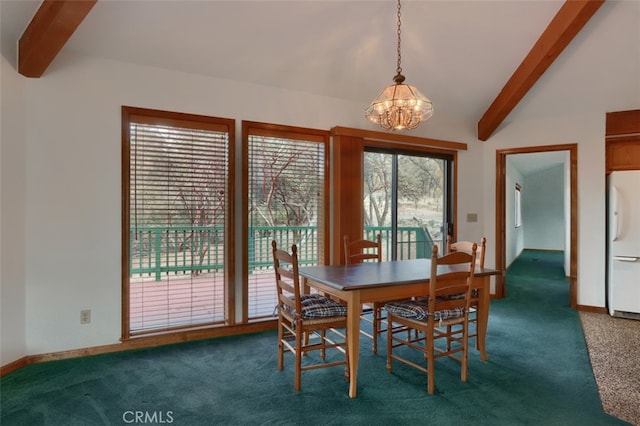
(380, 274)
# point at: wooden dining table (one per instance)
(392, 280)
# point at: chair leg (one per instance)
(431, 379)
(377, 319)
(347, 372)
(323, 343)
(298, 353)
(306, 342)
(465, 352)
(280, 345)
(474, 320)
(389, 342)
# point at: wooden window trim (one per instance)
(396, 138)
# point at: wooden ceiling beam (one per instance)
(52, 25)
(567, 23)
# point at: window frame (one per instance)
(252, 128)
(517, 202)
(160, 117)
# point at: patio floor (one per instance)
(189, 300)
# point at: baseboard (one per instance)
(538, 249)
(13, 366)
(594, 309)
(141, 343)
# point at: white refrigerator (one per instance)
(623, 248)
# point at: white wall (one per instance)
(12, 215)
(514, 237)
(470, 194)
(543, 209)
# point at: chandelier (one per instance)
(399, 106)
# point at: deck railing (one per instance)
(162, 250)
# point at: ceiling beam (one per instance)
(568, 22)
(52, 25)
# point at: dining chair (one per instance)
(301, 314)
(466, 247)
(431, 316)
(359, 251)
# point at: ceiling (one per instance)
(458, 53)
(536, 162)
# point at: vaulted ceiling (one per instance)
(479, 61)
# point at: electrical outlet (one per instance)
(85, 316)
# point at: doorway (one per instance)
(501, 213)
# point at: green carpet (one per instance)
(538, 374)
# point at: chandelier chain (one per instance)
(399, 68)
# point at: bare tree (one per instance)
(286, 180)
(377, 181)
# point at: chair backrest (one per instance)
(446, 287)
(361, 250)
(466, 246)
(287, 277)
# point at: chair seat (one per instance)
(318, 306)
(419, 310)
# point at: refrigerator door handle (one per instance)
(625, 258)
(617, 213)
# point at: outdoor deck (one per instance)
(184, 300)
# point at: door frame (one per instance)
(501, 183)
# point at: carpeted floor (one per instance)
(538, 373)
(614, 350)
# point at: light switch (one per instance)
(472, 217)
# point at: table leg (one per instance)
(354, 310)
(483, 315)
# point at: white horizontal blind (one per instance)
(178, 186)
(286, 196)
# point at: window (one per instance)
(286, 190)
(177, 205)
(407, 199)
(518, 206)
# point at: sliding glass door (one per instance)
(407, 199)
